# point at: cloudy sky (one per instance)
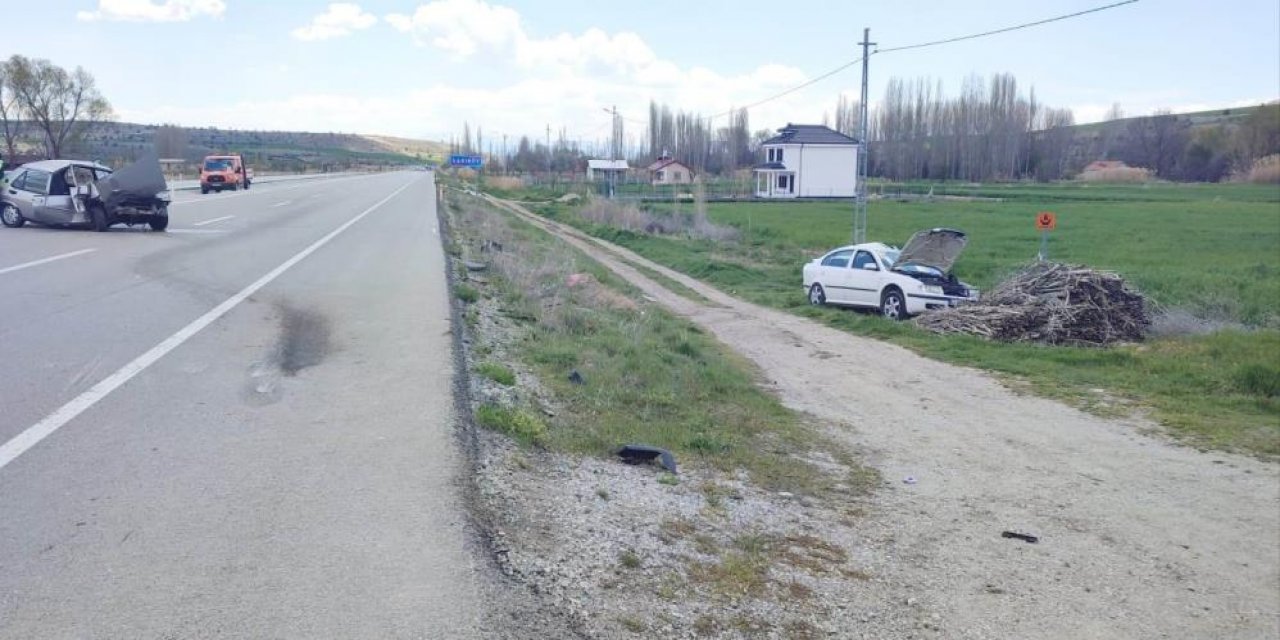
(421, 69)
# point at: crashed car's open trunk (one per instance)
(131, 195)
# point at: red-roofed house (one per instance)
(667, 170)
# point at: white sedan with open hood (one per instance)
(899, 282)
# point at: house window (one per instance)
(658, 175)
(770, 152)
(677, 176)
(779, 156)
(782, 182)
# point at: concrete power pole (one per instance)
(614, 152)
(549, 174)
(860, 207)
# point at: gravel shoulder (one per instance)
(1138, 537)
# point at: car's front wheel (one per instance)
(11, 217)
(817, 297)
(892, 305)
(159, 223)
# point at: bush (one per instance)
(497, 373)
(517, 423)
(466, 294)
(1258, 380)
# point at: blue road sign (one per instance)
(474, 162)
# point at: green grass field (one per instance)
(1210, 250)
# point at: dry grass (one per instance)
(1116, 175)
(508, 183)
(1265, 170)
(629, 217)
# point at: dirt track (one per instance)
(1139, 538)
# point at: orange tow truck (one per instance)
(224, 172)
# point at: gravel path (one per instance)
(1139, 537)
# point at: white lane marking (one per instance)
(281, 204)
(197, 230)
(32, 435)
(201, 224)
(36, 263)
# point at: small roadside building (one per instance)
(603, 168)
(808, 161)
(667, 170)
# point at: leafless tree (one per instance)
(62, 104)
(1157, 142)
(11, 113)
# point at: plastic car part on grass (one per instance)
(638, 453)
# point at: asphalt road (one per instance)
(239, 428)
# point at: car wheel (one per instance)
(159, 223)
(204, 191)
(893, 306)
(246, 185)
(98, 218)
(11, 217)
(817, 297)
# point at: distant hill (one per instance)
(1195, 146)
(119, 142)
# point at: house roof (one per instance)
(771, 166)
(605, 165)
(663, 163)
(809, 134)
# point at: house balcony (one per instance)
(775, 180)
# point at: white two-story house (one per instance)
(808, 161)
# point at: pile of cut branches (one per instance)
(1051, 303)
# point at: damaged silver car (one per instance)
(75, 193)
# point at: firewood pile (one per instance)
(1051, 303)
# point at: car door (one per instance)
(35, 190)
(58, 207)
(19, 196)
(865, 278)
(833, 275)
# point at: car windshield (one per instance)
(217, 165)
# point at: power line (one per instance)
(1007, 29)
(792, 89)
(922, 45)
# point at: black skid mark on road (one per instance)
(305, 339)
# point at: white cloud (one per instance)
(460, 26)
(339, 20)
(613, 67)
(565, 81)
(150, 11)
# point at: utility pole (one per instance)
(549, 174)
(614, 152)
(860, 207)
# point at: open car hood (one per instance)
(141, 181)
(937, 248)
